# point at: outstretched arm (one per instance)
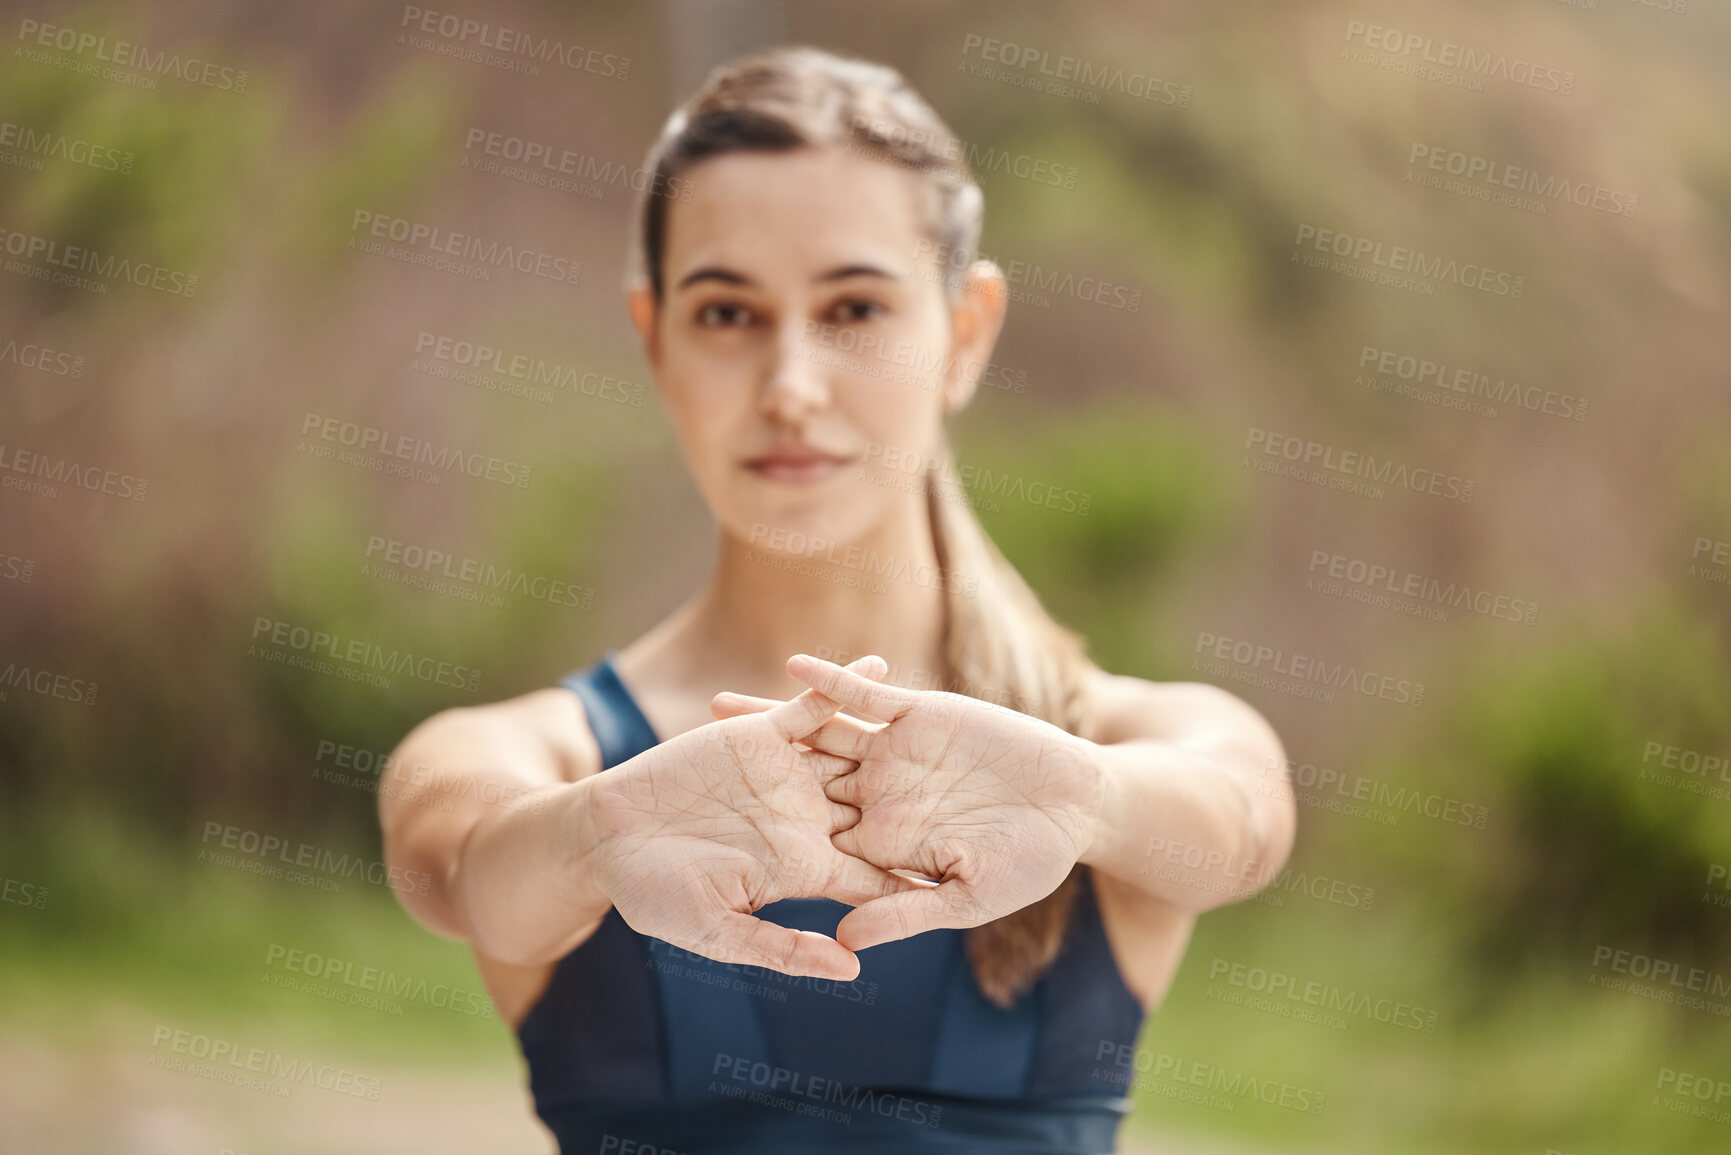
(1195, 807)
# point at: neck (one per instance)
(880, 594)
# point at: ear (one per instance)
(640, 302)
(976, 318)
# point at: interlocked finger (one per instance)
(842, 817)
(848, 737)
(728, 704)
(854, 881)
(885, 703)
(874, 783)
(825, 768)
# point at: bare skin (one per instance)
(754, 794)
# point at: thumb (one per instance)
(946, 906)
(747, 940)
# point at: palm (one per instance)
(720, 821)
(996, 805)
(964, 792)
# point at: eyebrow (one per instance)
(731, 277)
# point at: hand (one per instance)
(705, 828)
(994, 804)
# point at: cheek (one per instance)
(901, 403)
(703, 405)
(904, 416)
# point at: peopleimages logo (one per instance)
(125, 54)
(476, 40)
(104, 266)
(255, 1061)
(1389, 587)
(1288, 988)
(981, 161)
(1416, 51)
(381, 981)
(47, 683)
(536, 375)
(892, 460)
(407, 452)
(1256, 662)
(1458, 387)
(270, 635)
(435, 242)
(1684, 986)
(1328, 789)
(466, 577)
(1203, 1075)
(1030, 282)
(268, 850)
(1500, 179)
(1062, 74)
(737, 1071)
(1350, 469)
(545, 164)
(39, 143)
(43, 474)
(1399, 259)
(41, 358)
(852, 565)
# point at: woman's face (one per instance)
(804, 348)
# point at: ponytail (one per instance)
(1001, 645)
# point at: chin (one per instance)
(801, 527)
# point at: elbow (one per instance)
(1278, 830)
(1271, 826)
(412, 833)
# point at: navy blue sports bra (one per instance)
(638, 1046)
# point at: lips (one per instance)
(797, 465)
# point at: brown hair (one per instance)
(999, 642)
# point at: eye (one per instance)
(724, 315)
(854, 311)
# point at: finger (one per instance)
(843, 817)
(871, 666)
(847, 841)
(750, 941)
(911, 912)
(840, 735)
(727, 704)
(855, 881)
(826, 767)
(885, 703)
(843, 736)
(796, 718)
(730, 705)
(846, 789)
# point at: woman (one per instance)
(667, 937)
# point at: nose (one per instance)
(796, 384)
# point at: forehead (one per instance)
(801, 210)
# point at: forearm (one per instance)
(1191, 828)
(523, 882)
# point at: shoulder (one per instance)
(1122, 708)
(548, 725)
